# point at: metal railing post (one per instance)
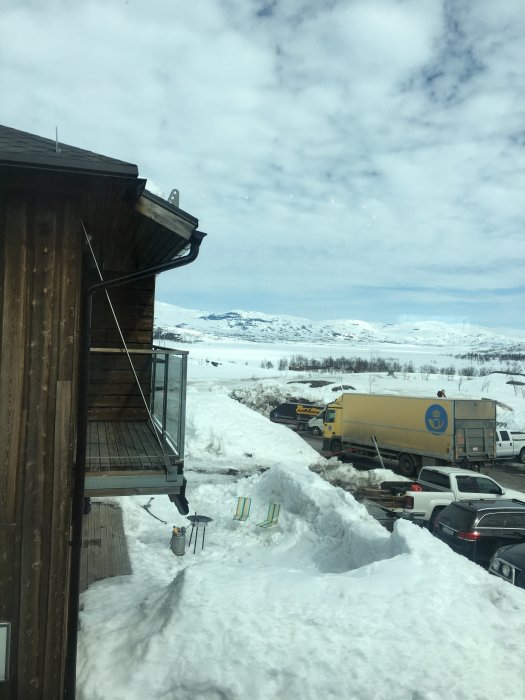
(165, 397)
(182, 407)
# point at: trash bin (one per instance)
(178, 541)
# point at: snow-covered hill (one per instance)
(189, 325)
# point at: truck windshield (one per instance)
(330, 415)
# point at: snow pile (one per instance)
(345, 475)
(326, 605)
(220, 430)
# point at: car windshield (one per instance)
(456, 517)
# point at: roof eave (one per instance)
(65, 164)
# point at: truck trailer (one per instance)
(411, 430)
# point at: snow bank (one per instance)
(346, 476)
(329, 604)
(220, 428)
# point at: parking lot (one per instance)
(510, 475)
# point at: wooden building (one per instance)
(87, 405)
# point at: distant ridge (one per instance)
(190, 325)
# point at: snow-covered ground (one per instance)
(328, 604)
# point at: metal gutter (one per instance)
(80, 463)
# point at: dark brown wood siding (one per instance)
(40, 272)
(113, 390)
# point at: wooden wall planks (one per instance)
(39, 349)
(113, 392)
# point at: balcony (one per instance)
(136, 421)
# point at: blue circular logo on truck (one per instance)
(436, 419)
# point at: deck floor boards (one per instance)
(124, 445)
(104, 546)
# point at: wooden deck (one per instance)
(125, 445)
(104, 547)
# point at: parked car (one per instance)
(510, 444)
(295, 415)
(477, 528)
(315, 424)
(509, 563)
(422, 500)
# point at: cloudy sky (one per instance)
(357, 159)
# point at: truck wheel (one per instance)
(407, 466)
(316, 431)
(336, 446)
(522, 456)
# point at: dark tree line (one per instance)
(482, 357)
(302, 363)
(356, 365)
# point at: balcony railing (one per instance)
(136, 426)
(168, 395)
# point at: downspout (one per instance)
(80, 462)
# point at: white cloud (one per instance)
(357, 145)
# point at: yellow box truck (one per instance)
(411, 431)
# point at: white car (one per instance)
(315, 425)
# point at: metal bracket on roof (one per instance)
(174, 198)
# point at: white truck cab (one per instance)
(510, 444)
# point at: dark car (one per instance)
(477, 528)
(509, 563)
(284, 413)
(294, 414)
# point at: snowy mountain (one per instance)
(189, 325)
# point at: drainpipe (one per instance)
(80, 463)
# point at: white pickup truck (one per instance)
(510, 444)
(422, 500)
